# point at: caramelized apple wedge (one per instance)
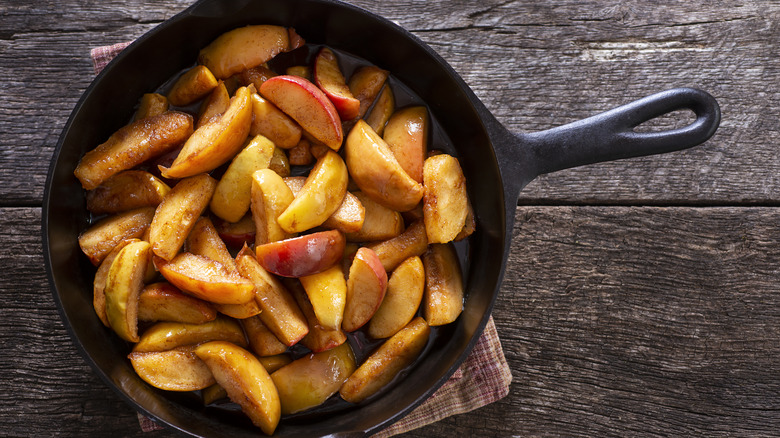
(271, 122)
(383, 366)
(380, 222)
(123, 285)
(99, 282)
(348, 218)
(235, 235)
(307, 105)
(443, 285)
(126, 190)
(445, 205)
(151, 104)
(327, 292)
(206, 279)
(177, 213)
(193, 85)
(320, 196)
(309, 381)
(99, 239)
(412, 242)
(262, 341)
(234, 191)
(204, 240)
(366, 287)
(133, 144)
(365, 84)
(376, 171)
(328, 76)
(270, 196)
(319, 338)
(255, 76)
(246, 47)
(165, 336)
(173, 370)
(406, 133)
(246, 381)
(301, 256)
(164, 302)
(212, 108)
(404, 294)
(382, 111)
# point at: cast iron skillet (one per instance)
(497, 164)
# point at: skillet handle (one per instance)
(611, 136)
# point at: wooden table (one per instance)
(641, 296)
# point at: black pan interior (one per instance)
(157, 56)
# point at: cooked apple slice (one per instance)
(281, 313)
(300, 154)
(412, 242)
(366, 289)
(246, 381)
(365, 84)
(309, 381)
(234, 191)
(376, 171)
(320, 196)
(445, 204)
(212, 108)
(164, 302)
(214, 143)
(443, 284)
(124, 282)
(204, 240)
(471, 223)
(262, 341)
(151, 104)
(404, 294)
(307, 105)
(132, 145)
(303, 71)
(99, 282)
(328, 76)
(380, 222)
(348, 218)
(235, 235)
(255, 76)
(273, 363)
(193, 85)
(246, 47)
(383, 366)
(406, 133)
(319, 337)
(173, 370)
(270, 196)
(206, 279)
(126, 190)
(304, 255)
(382, 110)
(271, 122)
(177, 213)
(165, 336)
(327, 292)
(99, 239)
(280, 163)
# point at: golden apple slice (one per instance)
(193, 85)
(214, 143)
(164, 302)
(280, 163)
(235, 235)
(412, 242)
(406, 133)
(445, 205)
(404, 294)
(386, 363)
(328, 76)
(216, 104)
(132, 145)
(280, 313)
(300, 154)
(126, 190)
(165, 336)
(319, 337)
(246, 47)
(204, 240)
(173, 370)
(380, 222)
(124, 282)
(303, 71)
(270, 196)
(271, 122)
(246, 381)
(206, 279)
(443, 284)
(320, 196)
(99, 282)
(262, 341)
(255, 76)
(212, 393)
(99, 239)
(151, 104)
(309, 381)
(376, 171)
(273, 363)
(327, 292)
(471, 223)
(348, 218)
(366, 289)
(234, 191)
(381, 112)
(300, 256)
(365, 84)
(307, 105)
(177, 213)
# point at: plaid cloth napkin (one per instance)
(483, 378)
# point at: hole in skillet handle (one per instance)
(611, 135)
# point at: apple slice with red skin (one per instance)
(366, 289)
(304, 255)
(236, 234)
(328, 76)
(307, 105)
